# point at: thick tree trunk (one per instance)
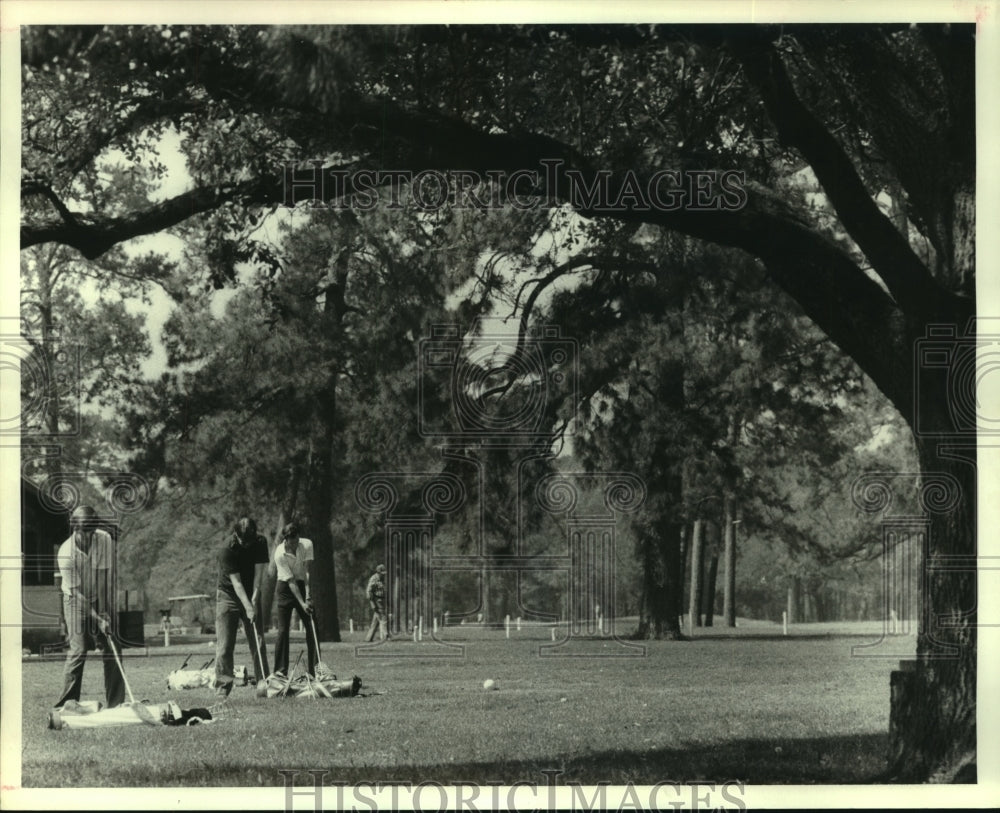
(323, 494)
(663, 584)
(933, 710)
(321, 501)
(663, 577)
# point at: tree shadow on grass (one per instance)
(754, 637)
(845, 760)
(822, 760)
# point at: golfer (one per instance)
(293, 560)
(241, 564)
(376, 597)
(85, 562)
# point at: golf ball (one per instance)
(490, 685)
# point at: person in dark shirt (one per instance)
(241, 564)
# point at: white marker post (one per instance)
(435, 625)
(506, 623)
(351, 623)
(553, 630)
(784, 622)
(414, 634)
(420, 628)
(519, 623)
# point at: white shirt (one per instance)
(79, 570)
(293, 566)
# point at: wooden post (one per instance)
(694, 594)
(709, 603)
(729, 561)
(793, 600)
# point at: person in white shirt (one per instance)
(85, 563)
(293, 558)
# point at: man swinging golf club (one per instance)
(293, 558)
(241, 564)
(85, 562)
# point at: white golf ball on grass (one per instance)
(491, 685)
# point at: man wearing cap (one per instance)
(85, 563)
(376, 597)
(241, 563)
(293, 558)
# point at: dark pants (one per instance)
(228, 614)
(84, 634)
(286, 604)
(379, 622)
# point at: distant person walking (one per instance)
(293, 560)
(241, 564)
(376, 597)
(85, 563)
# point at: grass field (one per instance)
(754, 706)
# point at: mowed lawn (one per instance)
(761, 709)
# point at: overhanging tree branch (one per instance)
(92, 235)
(907, 278)
(851, 308)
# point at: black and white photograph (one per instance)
(499, 405)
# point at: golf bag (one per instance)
(324, 685)
(89, 715)
(190, 678)
(198, 678)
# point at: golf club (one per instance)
(314, 692)
(121, 669)
(184, 665)
(319, 654)
(261, 690)
(320, 688)
(291, 672)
